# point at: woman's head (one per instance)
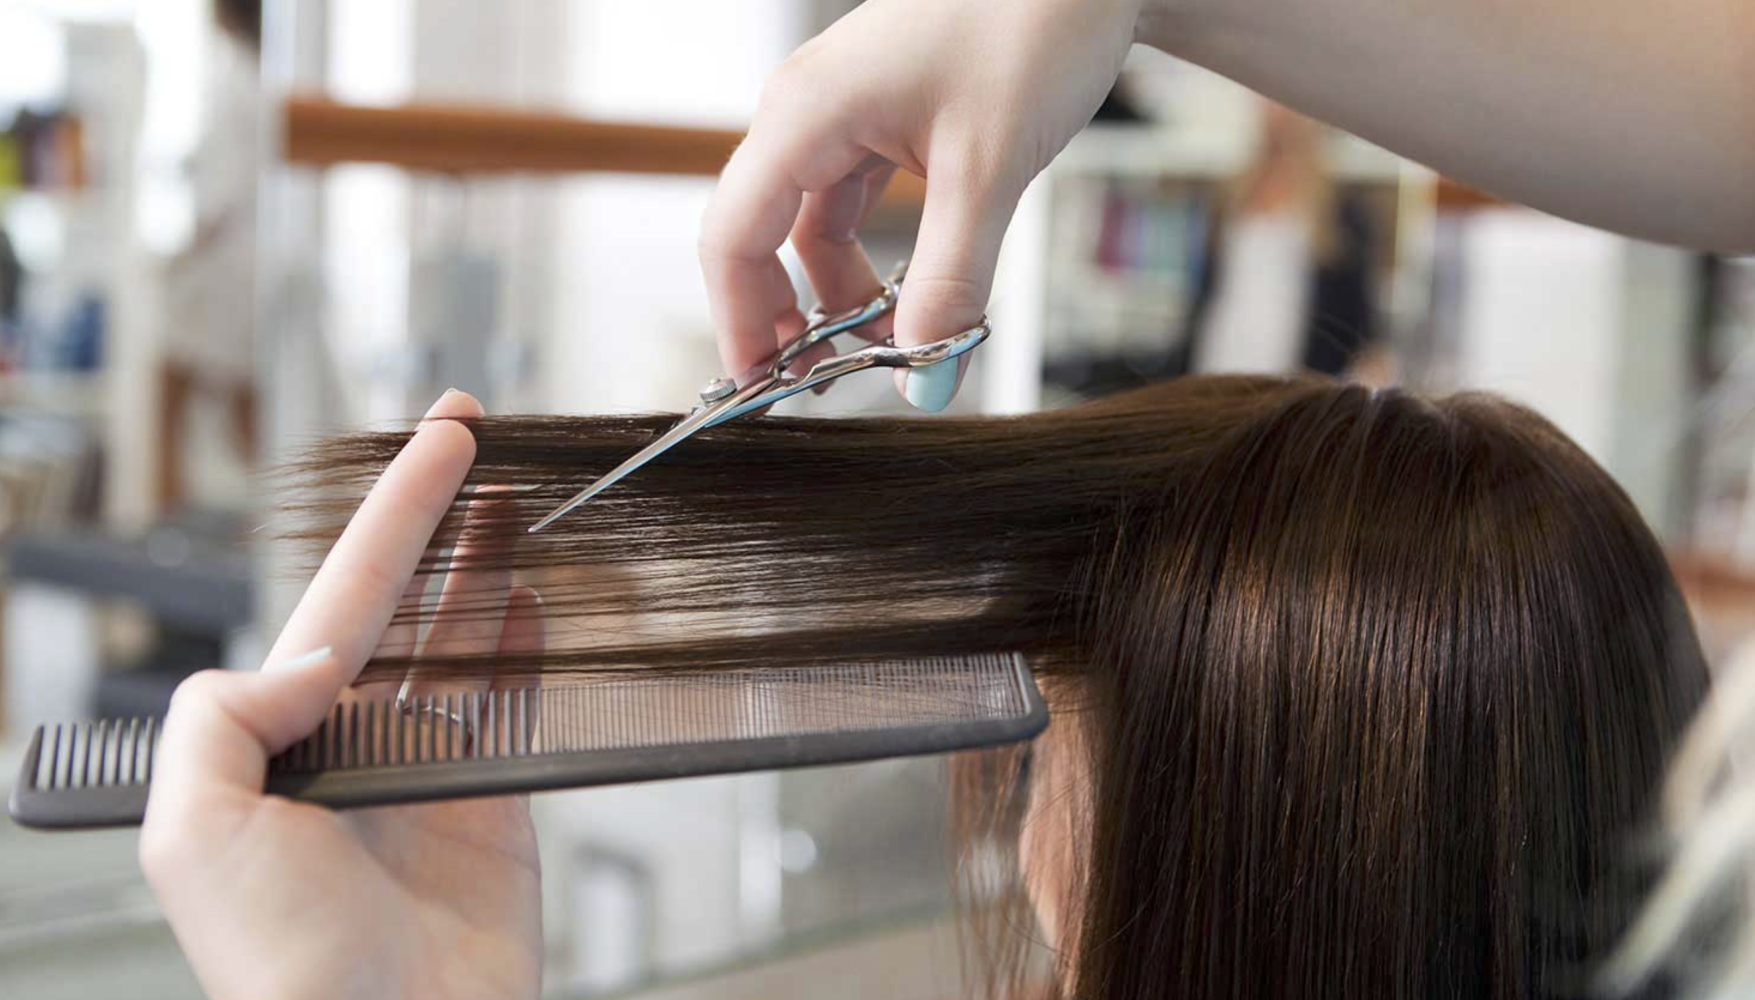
(1376, 699)
(1356, 694)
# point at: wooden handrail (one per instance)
(465, 139)
(1455, 196)
(1714, 577)
(462, 139)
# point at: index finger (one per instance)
(752, 212)
(222, 727)
(355, 593)
(748, 291)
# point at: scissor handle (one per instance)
(724, 399)
(884, 355)
(823, 326)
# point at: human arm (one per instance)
(1621, 113)
(1625, 114)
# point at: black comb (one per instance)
(612, 729)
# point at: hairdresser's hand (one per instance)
(973, 95)
(273, 898)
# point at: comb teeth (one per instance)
(107, 754)
(119, 753)
(623, 711)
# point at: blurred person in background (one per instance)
(207, 386)
(1286, 281)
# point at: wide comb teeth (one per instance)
(108, 753)
(119, 753)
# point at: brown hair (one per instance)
(1374, 691)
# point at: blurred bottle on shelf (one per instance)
(44, 150)
(11, 285)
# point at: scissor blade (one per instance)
(684, 427)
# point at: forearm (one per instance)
(1627, 114)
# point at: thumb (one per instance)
(224, 725)
(211, 762)
(950, 275)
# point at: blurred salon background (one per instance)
(228, 227)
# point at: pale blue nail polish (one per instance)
(930, 389)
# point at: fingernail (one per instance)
(753, 372)
(447, 394)
(930, 389)
(312, 658)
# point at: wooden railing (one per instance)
(468, 139)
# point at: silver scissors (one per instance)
(722, 399)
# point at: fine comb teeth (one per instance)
(603, 730)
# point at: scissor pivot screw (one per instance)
(717, 389)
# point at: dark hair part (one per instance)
(1375, 691)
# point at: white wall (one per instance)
(1589, 329)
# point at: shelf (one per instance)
(79, 394)
(182, 579)
(59, 200)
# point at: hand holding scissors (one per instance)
(722, 399)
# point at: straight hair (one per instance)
(1372, 692)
